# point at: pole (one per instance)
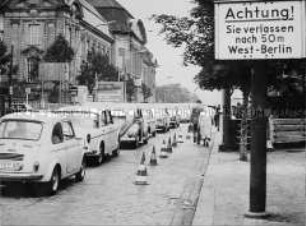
(227, 130)
(11, 78)
(258, 174)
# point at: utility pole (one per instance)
(10, 74)
(258, 175)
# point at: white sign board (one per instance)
(259, 29)
(110, 92)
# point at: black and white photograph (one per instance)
(159, 113)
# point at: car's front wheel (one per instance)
(53, 184)
(81, 174)
(101, 156)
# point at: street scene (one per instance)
(129, 112)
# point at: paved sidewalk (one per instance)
(225, 193)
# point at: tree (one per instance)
(196, 35)
(146, 91)
(5, 59)
(97, 67)
(130, 88)
(60, 51)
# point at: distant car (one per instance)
(136, 131)
(96, 127)
(150, 121)
(175, 121)
(40, 149)
(185, 116)
(162, 120)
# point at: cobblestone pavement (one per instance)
(108, 195)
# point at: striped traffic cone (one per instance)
(174, 143)
(169, 146)
(153, 160)
(163, 150)
(142, 173)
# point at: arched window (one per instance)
(33, 69)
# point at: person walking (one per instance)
(217, 118)
(194, 120)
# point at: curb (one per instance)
(186, 208)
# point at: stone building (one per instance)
(130, 55)
(29, 27)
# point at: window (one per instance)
(35, 36)
(50, 33)
(33, 69)
(103, 119)
(57, 134)
(68, 131)
(109, 117)
(20, 129)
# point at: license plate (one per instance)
(6, 165)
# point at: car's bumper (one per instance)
(22, 177)
(173, 123)
(160, 127)
(127, 139)
(91, 154)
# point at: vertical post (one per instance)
(11, 78)
(227, 136)
(258, 174)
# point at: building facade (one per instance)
(130, 54)
(29, 27)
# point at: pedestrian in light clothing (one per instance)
(194, 120)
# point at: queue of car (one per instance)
(43, 148)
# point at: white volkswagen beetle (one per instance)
(39, 148)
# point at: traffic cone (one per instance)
(153, 160)
(180, 138)
(163, 150)
(174, 143)
(169, 146)
(142, 173)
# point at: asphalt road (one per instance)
(108, 195)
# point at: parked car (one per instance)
(149, 121)
(39, 149)
(175, 119)
(96, 126)
(136, 132)
(162, 120)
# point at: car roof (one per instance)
(43, 116)
(86, 108)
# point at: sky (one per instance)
(170, 59)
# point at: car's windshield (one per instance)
(20, 129)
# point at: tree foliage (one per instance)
(97, 67)
(130, 88)
(60, 51)
(4, 59)
(5, 62)
(196, 35)
(146, 91)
